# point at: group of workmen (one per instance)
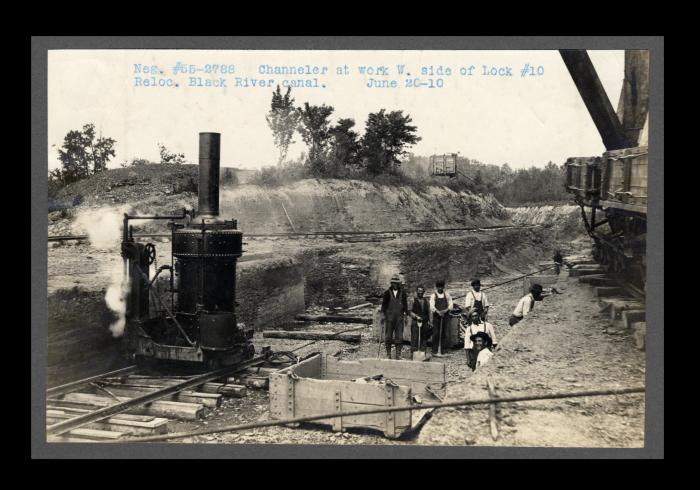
(429, 319)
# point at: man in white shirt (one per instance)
(440, 305)
(474, 326)
(482, 345)
(526, 304)
(476, 299)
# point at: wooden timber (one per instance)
(492, 409)
(311, 335)
(160, 408)
(209, 400)
(602, 291)
(334, 318)
(119, 423)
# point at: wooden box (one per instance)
(625, 176)
(583, 176)
(323, 384)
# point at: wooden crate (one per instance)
(583, 176)
(323, 384)
(625, 176)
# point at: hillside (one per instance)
(312, 204)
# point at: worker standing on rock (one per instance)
(420, 314)
(558, 261)
(394, 307)
(475, 325)
(482, 347)
(440, 304)
(526, 304)
(476, 300)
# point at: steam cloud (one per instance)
(104, 229)
(103, 226)
(115, 298)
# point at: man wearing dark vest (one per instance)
(420, 313)
(440, 304)
(394, 307)
(476, 300)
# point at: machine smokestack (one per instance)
(209, 151)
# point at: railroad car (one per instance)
(612, 189)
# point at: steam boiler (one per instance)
(196, 322)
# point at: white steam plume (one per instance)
(115, 297)
(104, 229)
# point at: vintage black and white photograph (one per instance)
(348, 247)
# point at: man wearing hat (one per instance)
(420, 313)
(394, 307)
(476, 299)
(475, 325)
(482, 346)
(526, 304)
(440, 305)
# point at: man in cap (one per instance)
(476, 300)
(475, 325)
(440, 305)
(420, 314)
(482, 347)
(526, 304)
(394, 307)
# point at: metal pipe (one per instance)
(209, 148)
(380, 409)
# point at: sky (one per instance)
(522, 121)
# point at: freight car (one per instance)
(615, 184)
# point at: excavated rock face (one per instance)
(310, 205)
(565, 220)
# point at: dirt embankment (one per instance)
(307, 205)
(565, 221)
(562, 346)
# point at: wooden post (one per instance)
(390, 430)
(492, 409)
(290, 400)
(338, 421)
(595, 98)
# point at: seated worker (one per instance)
(526, 304)
(420, 312)
(476, 299)
(475, 325)
(482, 346)
(440, 305)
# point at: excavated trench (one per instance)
(278, 279)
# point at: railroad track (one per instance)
(126, 402)
(346, 235)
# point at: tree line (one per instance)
(337, 150)
(84, 153)
(534, 185)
